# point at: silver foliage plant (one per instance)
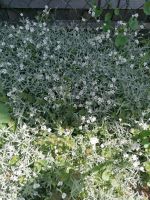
(43, 68)
(34, 166)
(58, 81)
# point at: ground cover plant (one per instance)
(74, 112)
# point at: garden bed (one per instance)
(74, 112)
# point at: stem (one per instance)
(99, 3)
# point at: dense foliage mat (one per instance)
(74, 113)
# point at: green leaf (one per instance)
(117, 11)
(147, 166)
(145, 142)
(3, 97)
(147, 8)
(133, 23)
(98, 12)
(40, 164)
(107, 26)
(2, 142)
(143, 134)
(4, 114)
(121, 40)
(108, 17)
(14, 160)
(27, 97)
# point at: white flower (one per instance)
(36, 185)
(4, 71)
(67, 132)
(83, 118)
(64, 195)
(11, 46)
(111, 85)
(135, 33)
(46, 7)
(21, 14)
(44, 23)
(21, 66)
(43, 128)
(24, 126)
(10, 35)
(142, 169)
(93, 119)
(60, 183)
(102, 146)
(58, 47)
(76, 29)
(135, 146)
(14, 178)
(134, 157)
(3, 43)
(137, 41)
(31, 29)
(14, 89)
(13, 27)
(83, 19)
(107, 35)
(93, 14)
(27, 27)
(90, 11)
(136, 15)
(132, 66)
(88, 121)
(94, 140)
(113, 80)
(142, 26)
(100, 100)
(109, 102)
(144, 125)
(136, 164)
(18, 173)
(126, 155)
(49, 130)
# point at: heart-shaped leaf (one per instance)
(98, 12)
(133, 23)
(121, 40)
(147, 8)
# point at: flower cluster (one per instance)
(45, 70)
(36, 165)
